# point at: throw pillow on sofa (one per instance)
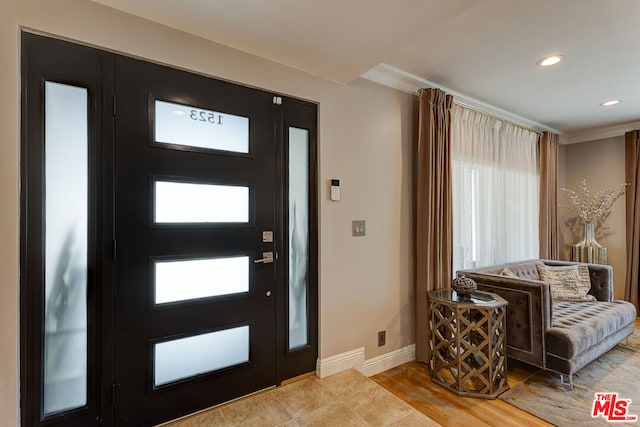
(508, 272)
(568, 283)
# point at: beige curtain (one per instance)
(433, 207)
(632, 177)
(548, 228)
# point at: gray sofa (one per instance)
(560, 336)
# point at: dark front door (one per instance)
(195, 228)
(168, 239)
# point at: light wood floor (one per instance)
(412, 383)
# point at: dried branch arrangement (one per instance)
(594, 209)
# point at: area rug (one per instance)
(617, 371)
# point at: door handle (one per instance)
(267, 258)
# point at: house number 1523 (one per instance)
(206, 116)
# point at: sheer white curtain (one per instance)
(495, 190)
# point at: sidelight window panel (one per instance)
(66, 242)
(298, 236)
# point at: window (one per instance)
(495, 190)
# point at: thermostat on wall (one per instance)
(335, 190)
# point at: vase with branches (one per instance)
(593, 211)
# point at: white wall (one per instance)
(365, 140)
(601, 163)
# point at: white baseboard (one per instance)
(355, 359)
(389, 360)
(340, 362)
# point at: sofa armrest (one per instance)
(529, 313)
(601, 279)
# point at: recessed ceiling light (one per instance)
(550, 60)
(610, 102)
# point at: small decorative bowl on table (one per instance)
(464, 286)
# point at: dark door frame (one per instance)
(45, 59)
(57, 60)
(291, 363)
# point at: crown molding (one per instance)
(396, 78)
(602, 133)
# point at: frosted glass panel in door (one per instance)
(181, 280)
(66, 213)
(298, 236)
(187, 357)
(195, 127)
(183, 202)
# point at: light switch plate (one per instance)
(359, 228)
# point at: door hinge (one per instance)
(114, 104)
(115, 252)
(277, 100)
(113, 394)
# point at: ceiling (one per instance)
(485, 50)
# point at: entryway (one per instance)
(169, 238)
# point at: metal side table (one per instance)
(468, 343)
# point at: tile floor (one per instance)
(345, 399)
